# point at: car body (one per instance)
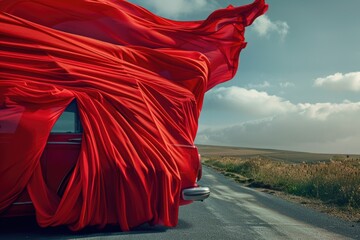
(61, 154)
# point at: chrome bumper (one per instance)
(196, 193)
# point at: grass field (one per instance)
(333, 179)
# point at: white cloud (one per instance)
(325, 111)
(264, 27)
(244, 101)
(340, 82)
(280, 124)
(175, 9)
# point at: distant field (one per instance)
(281, 155)
(333, 179)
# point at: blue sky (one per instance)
(298, 83)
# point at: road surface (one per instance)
(231, 212)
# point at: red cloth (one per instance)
(139, 81)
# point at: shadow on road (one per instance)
(27, 227)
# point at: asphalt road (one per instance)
(231, 212)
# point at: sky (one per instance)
(298, 82)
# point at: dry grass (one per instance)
(336, 181)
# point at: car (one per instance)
(61, 153)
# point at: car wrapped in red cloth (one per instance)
(99, 108)
(61, 154)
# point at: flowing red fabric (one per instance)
(139, 81)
